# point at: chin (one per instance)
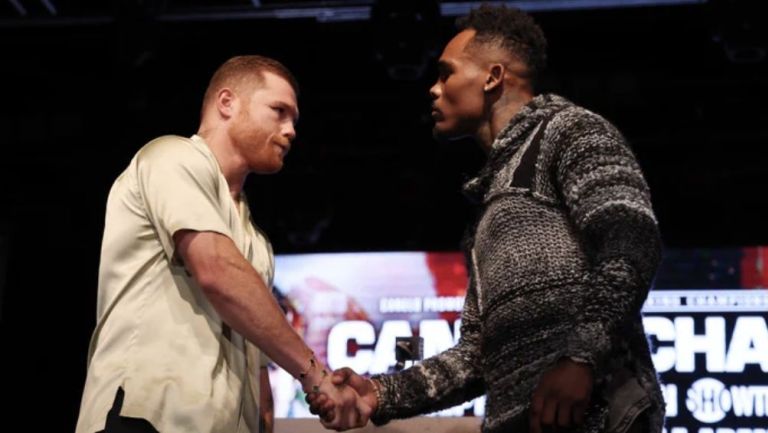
(443, 134)
(439, 133)
(267, 169)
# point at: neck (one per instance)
(233, 167)
(500, 114)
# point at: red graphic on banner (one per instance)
(754, 268)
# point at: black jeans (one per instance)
(124, 424)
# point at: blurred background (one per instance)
(86, 83)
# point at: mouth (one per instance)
(436, 115)
(284, 146)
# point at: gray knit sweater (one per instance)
(561, 258)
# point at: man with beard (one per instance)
(184, 299)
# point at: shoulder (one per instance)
(575, 120)
(173, 151)
(575, 129)
(165, 146)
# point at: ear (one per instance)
(226, 102)
(495, 77)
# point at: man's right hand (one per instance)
(345, 378)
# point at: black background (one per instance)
(686, 84)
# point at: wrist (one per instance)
(579, 360)
(577, 364)
(313, 382)
(312, 378)
(374, 399)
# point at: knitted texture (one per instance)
(561, 258)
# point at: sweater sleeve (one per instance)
(609, 204)
(442, 381)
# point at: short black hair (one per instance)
(511, 29)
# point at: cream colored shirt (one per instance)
(157, 336)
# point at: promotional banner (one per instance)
(710, 340)
(711, 350)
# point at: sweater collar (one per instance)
(529, 116)
(512, 137)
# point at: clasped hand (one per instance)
(559, 401)
(344, 402)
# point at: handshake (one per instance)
(348, 400)
(344, 400)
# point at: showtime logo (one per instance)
(709, 401)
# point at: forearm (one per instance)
(618, 284)
(238, 294)
(245, 304)
(442, 381)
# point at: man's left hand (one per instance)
(562, 396)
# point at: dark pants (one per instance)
(123, 424)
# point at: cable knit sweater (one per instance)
(561, 258)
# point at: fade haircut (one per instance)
(242, 70)
(512, 30)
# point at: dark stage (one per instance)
(83, 88)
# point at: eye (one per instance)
(443, 72)
(279, 110)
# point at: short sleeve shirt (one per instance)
(157, 336)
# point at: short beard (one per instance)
(444, 137)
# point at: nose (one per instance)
(434, 91)
(289, 131)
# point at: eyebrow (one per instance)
(443, 66)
